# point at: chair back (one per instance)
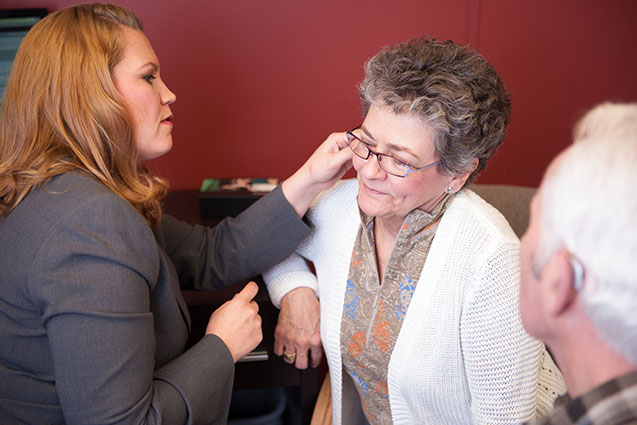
(512, 201)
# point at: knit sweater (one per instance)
(462, 355)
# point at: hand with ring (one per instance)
(297, 336)
(289, 357)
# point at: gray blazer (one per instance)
(92, 320)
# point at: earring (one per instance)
(450, 189)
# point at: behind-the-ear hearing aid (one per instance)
(578, 272)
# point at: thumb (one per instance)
(341, 142)
(345, 154)
(248, 292)
(343, 159)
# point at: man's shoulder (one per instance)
(612, 403)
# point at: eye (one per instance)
(399, 163)
(367, 145)
(149, 78)
(356, 142)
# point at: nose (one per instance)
(370, 167)
(167, 96)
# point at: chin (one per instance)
(153, 155)
(166, 148)
(371, 207)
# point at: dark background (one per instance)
(260, 83)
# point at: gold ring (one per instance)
(289, 356)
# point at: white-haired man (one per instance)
(579, 269)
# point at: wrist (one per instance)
(300, 190)
(302, 292)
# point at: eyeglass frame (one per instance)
(410, 169)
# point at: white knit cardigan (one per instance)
(462, 355)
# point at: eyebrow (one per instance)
(392, 147)
(153, 65)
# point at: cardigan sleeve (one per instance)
(295, 272)
(290, 274)
(328, 212)
(500, 358)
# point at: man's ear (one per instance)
(557, 283)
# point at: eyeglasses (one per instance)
(387, 163)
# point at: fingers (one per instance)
(289, 356)
(336, 146)
(335, 142)
(237, 322)
(310, 354)
(302, 358)
(248, 292)
(341, 141)
(316, 355)
(284, 346)
(329, 162)
(298, 357)
(278, 346)
(340, 156)
(297, 333)
(344, 157)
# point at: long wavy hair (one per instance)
(61, 111)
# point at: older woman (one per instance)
(93, 324)
(418, 277)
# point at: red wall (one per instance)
(261, 83)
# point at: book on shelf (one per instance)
(249, 184)
(225, 197)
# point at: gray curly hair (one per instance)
(452, 88)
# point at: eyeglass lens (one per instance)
(387, 163)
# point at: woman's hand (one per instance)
(237, 322)
(297, 334)
(321, 171)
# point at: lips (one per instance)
(372, 191)
(168, 120)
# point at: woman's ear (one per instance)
(458, 182)
(558, 283)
